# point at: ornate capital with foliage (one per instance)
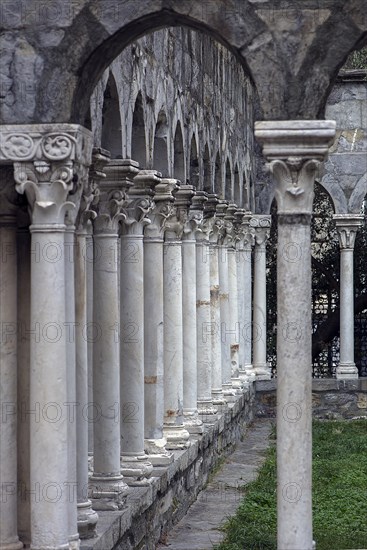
(50, 165)
(294, 150)
(260, 224)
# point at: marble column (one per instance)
(215, 333)
(261, 225)
(226, 227)
(87, 517)
(244, 294)
(107, 488)
(294, 150)
(8, 363)
(89, 252)
(174, 429)
(192, 422)
(347, 226)
(246, 331)
(207, 411)
(233, 332)
(58, 155)
(23, 353)
(155, 442)
(140, 191)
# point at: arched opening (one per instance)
(194, 163)
(245, 193)
(179, 155)
(138, 139)
(207, 172)
(228, 192)
(111, 120)
(160, 153)
(237, 188)
(218, 188)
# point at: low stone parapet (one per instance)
(331, 399)
(151, 511)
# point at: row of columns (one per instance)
(138, 364)
(166, 324)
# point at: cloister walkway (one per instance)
(200, 528)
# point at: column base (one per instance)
(207, 412)
(107, 492)
(243, 376)
(156, 452)
(74, 542)
(250, 373)
(219, 401)
(177, 437)
(229, 392)
(59, 547)
(87, 520)
(237, 384)
(346, 371)
(192, 422)
(262, 371)
(14, 545)
(136, 470)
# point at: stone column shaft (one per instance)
(261, 225)
(347, 227)
(246, 332)
(294, 150)
(155, 442)
(55, 154)
(174, 429)
(107, 488)
(8, 369)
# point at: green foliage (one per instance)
(357, 60)
(339, 494)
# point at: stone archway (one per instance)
(62, 72)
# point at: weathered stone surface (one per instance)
(292, 52)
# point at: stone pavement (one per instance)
(200, 528)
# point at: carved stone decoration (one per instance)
(140, 204)
(347, 226)
(48, 167)
(260, 225)
(163, 206)
(9, 198)
(45, 142)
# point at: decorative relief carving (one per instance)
(53, 142)
(261, 227)
(295, 177)
(347, 226)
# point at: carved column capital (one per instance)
(112, 196)
(226, 225)
(294, 150)
(347, 226)
(163, 205)
(260, 223)
(50, 165)
(140, 202)
(195, 216)
(175, 226)
(230, 218)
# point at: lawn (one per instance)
(339, 494)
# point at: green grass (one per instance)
(339, 494)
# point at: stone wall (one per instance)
(152, 511)
(191, 98)
(331, 399)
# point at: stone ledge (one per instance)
(151, 510)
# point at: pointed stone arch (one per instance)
(207, 184)
(111, 119)
(218, 187)
(194, 163)
(179, 168)
(160, 147)
(228, 191)
(138, 135)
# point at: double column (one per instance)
(174, 429)
(347, 226)
(261, 226)
(55, 154)
(135, 466)
(294, 150)
(8, 363)
(107, 488)
(155, 442)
